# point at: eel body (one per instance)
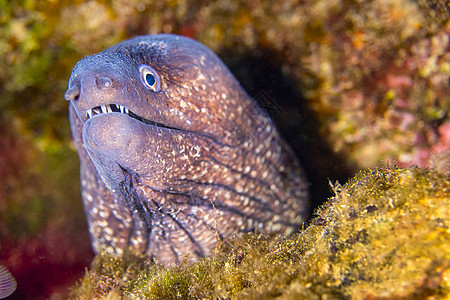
(174, 155)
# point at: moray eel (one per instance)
(174, 155)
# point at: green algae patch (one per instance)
(384, 235)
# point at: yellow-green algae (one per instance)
(384, 235)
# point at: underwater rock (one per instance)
(385, 234)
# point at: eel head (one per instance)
(173, 152)
(146, 91)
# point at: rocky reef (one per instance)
(349, 83)
(384, 235)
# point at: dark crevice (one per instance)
(260, 73)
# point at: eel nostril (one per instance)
(104, 82)
(73, 93)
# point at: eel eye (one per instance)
(149, 78)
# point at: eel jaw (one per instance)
(117, 108)
(104, 109)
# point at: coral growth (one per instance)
(384, 235)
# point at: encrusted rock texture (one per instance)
(384, 235)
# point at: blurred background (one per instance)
(350, 84)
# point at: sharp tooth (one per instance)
(127, 111)
(89, 113)
(103, 109)
(108, 109)
(121, 108)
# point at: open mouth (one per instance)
(116, 108)
(105, 109)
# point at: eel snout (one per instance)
(93, 93)
(72, 93)
(97, 88)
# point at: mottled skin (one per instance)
(212, 164)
